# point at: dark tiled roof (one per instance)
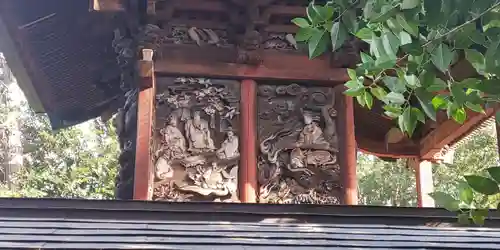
(57, 224)
(69, 56)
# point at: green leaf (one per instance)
(425, 101)
(304, 34)
(352, 74)
(417, 113)
(463, 219)
(395, 98)
(441, 57)
(446, 201)
(361, 99)
(459, 115)
(478, 216)
(410, 4)
(378, 92)
(437, 85)
(324, 12)
(352, 84)
(349, 19)
(410, 27)
(494, 173)
(412, 81)
(318, 44)
(355, 91)
(301, 22)
(364, 34)
(465, 192)
(482, 184)
(404, 38)
(338, 35)
(433, 12)
(410, 121)
(390, 44)
(312, 14)
(368, 100)
(365, 58)
(401, 123)
(492, 58)
(497, 117)
(387, 11)
(458, 93)
(394, 84)
(476, 59)
(475, 107)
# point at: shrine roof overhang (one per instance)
(62, 57)
(94, 224)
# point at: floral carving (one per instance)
(298, 146)
(197, 153)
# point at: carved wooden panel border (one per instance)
(297, 132)
(196, 139)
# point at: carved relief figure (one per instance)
(311, 135)
(298, 150)
(174, 141)
(198, 134)
(229, 147)
(195, 160)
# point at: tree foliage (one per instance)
(414, 47)
(76, 162)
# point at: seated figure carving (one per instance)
(198, 134)
(311, 135)
(229, 147)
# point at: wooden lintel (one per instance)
(450, 131)
(238, 71)
(106, 5)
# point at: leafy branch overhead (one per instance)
(424, 56)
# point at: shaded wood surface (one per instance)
(78, 224)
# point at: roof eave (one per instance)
(16, 65)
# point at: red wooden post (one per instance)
(143, 175)
(425, 185)
(247, 181)
(350, 180)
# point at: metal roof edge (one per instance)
(16, 65)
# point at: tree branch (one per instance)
(459, 27)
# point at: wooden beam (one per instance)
(450, 131)
(238, 71)
(247, 181)
(143, 174)
(425, 184)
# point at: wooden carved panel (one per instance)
(298, 145)
(196, 140)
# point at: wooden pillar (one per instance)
(247, 181)
(350, 149)
(143, 174)
(497, 126)
(425, 185)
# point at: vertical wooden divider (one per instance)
(349, 149)
(143, 174)
(247, 177)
